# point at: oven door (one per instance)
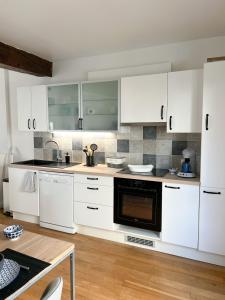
(138, 207)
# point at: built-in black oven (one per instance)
(138, 203)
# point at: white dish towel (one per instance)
(29, 182)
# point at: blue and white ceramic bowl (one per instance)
(12, 232)
(9, 270)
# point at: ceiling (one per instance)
(63, 29)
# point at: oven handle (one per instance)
(172, 187)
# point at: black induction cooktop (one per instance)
(154, 172)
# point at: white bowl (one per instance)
(140, 168)
(12, 232)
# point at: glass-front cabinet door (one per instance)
(63, 106)
(100, 105)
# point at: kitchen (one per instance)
(125, 155)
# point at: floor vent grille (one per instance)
(143, 242)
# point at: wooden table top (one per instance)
(39, 246)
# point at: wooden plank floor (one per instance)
(107, 270)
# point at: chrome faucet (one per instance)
(59, 158)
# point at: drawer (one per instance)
(93, 215)
(92, 193)
(93, 179)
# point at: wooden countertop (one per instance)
(103, 170)
(39, 246)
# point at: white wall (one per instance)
(186, 55)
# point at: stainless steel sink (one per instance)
(46, 163)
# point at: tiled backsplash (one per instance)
(139, 144)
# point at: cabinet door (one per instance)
(144, 98)
(100, 105)
(93, 215)
(184, 112)
(180, 207)
(39, 108)
(212, 220)
(24, 108)
(20, 201)
(63, 106)
(213, 146)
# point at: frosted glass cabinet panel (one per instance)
(99, 105)
(63, 107)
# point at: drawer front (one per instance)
(92, 193)
(93, 179)
(93, 215)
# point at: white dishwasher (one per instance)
(56, 201)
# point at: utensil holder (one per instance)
(90, 162)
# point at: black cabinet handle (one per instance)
(162, 109)
(212, 193)
(207, 122)
(172, 187)
(92, 178)
(34, 123)
(80, 123)
(28, 124)
(94, 208)
(90, 188)
(170, 123)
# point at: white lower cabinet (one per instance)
(212, 220)
(94, 215)
(20, 201)
(93, 201)
(180, 209)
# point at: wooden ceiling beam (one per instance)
(15, 59)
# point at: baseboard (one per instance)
(25, 218)
(59, 228)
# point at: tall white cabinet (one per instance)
(212, 196)
(184, 101)
(144, 98)
(32, 108)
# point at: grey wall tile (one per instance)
(163, 161)
(77, 143)
(136, 146)
(161, 133)
(48, 154)
(123, 133)
(176, 161)
(99, 157)
(149, 147)
(110, 145)
(178, 147)
(163, 147)
(38, 142)
(136, 132)
(149, 159)
(149, 132)
(77, 156)
(195, 145)
(136, 158)
(38, 153)
(122, 145)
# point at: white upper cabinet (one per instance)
(213, 125)
(144, 98)
(184, 112)
(180, 209)
(32, 108)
